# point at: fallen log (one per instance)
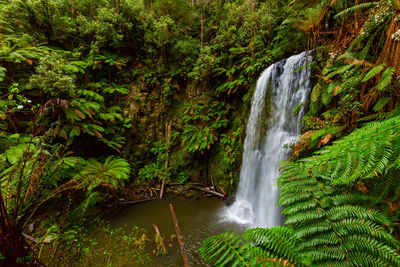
(179, 237)
(208, 191)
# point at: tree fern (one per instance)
(113, 172)
(330, 221)
(330, 224)
(333, 220)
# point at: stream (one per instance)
(198, 219)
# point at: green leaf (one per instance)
(353, 9)
(373, 72)
(2, 73)
(14, 153)
(381, 103)
(74, 132)
(297, 108)
(322, 133)
(386, 79)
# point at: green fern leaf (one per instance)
(373, 72)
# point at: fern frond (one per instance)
(323, 253)
(90, 94)
(365, 153)
(276, 241)
(227, 249)
(323, 239)
(351, 198)
(352, 9)
(373, 248)
(348, 227)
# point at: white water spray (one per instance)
(257, 194)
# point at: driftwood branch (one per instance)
(31, 238)
(162, 188)
(179, 237)
(208, 191)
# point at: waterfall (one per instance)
(286, 84)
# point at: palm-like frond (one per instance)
(113, 172)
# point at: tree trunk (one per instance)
(167, 137)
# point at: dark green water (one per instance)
(197, 219)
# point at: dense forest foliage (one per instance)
(102, 100)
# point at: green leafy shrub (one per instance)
(54, 77)
(201, 124)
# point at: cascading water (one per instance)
(288, 85)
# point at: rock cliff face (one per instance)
(146, 109)
(147, 112)
(152, 112)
